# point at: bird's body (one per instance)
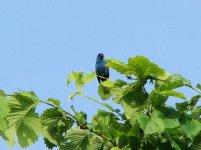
(102, 71)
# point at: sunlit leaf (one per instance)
(54, 101)
(54, 124)
(72, 96)
(141, 67)
(117, 65)
(150, 126)
(173, 93)
(190, 126)
(89, 77)
(104, 92)
(23, 121)
(170, 82)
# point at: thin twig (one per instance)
(194, 89)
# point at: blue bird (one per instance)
(102, 71)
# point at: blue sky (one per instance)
(41, 41)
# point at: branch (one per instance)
(194, 89)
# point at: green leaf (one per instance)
(104, 92)
(175, 145)
(150, 125)
(89, 77)
(196, 111)
(157, 99)
(72, 96)
(68, 80)
(171, 123)
(194, 100)
(182, 107)
(170, 82)
(115, 148)
(196, 143)
(4, 110)
(82, 78)
(198, 86)
(118, 66)
(173, 93)
(54, 124)
(96, 142)
(48, 144)
(122, 141)
(54, 101)
(108, 83)
(141, 67)
(77, 77)
(190, 126)
(23, 121)
(81, 118)
(76, 139)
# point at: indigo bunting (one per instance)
(102, 71)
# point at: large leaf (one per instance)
(173, 93)
(196, 143)
(54, 124)
(117, 65)
(190, 126)
(23, 120)
(4, 110)
(76, 138)
(96, 143)
(150, 125)
(141, 67)
(170, 82)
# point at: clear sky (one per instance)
(41, 41)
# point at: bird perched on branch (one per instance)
(102, 71)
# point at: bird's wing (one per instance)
(107, 73)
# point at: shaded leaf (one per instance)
(196, 111)
(194, 100)
(175, 145)
(48, 144)
(76, 139)
(198, 86)
(54, 124)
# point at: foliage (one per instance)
(145, 121)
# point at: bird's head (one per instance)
(100, 56)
